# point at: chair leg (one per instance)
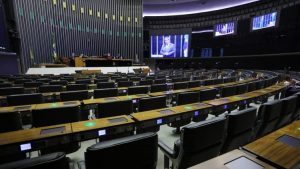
(166, 162)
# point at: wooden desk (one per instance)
(34, 139)
(92, 129)
(57, 105)
(152, 118)
(17, 108)
(101, 62)
(220, 161)
(270, 149)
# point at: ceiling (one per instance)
(182, 7)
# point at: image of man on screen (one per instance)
(168, 48)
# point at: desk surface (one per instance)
(220, 161)
(31, 134)
(17, 108)
(99, 123)
(57, 105)
(269, 148)
(154, 114)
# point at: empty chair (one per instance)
(240, 129)
(152, 103)
(251, 86)
(22, 81)
(24, 99)
(54, 116)
(146, 82)
(198, 142)
(289, 106)
(267, 117)
(184, 98)
(194, 84)
(5, 85)
(160, 81)
(242, 88)
(32, 84)
(10, 121)
(180, 85)
(116, 108)
(44, 80)
(179, 79)
(74, 95)
(296, 114)
(158, 88)
(60, 82)
(105, 85)
(260, 84)
(50, 161)
(83, 81)
(125, 83)
(208, 94)
(121, 80)
(135, 79)
(228, 91)
(50, 88)
(11, 91)
(142, 148)
(102, 93)
(74, 87)
(138, 90)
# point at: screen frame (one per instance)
(171, 32)
(228, 35)
(267, 28)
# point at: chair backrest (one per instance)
(54, 116)
(187, 98)
(106, 79)
(5, 85)
(201, 141)
(242, 88)
(268, 116)
(50, 88)
(32, 84)
(289, 106)
(60, 82)
(160, 81)
(228, 91)
(146, 82)
(180, 85)
(158, 88)
(125, 83)
(83, 81)
(121, 80)
(10, 121)
(296, 115)
(142, 148)
(102, 93)
(48, 161)
(240, 128)
(74, 87)
(74, 95)
(11, 91)
(260, 84)
(105, 85)
(251, 86)
(194, 84)
(208, 94)
(138, 90)
(116, 108)
(152, 103)
(25, 99)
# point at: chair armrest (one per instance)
(166, 150)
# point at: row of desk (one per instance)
(92, 103)
(280, 149)
(40, 138)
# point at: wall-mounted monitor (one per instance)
(170, 46)
(264, 21)
(222, 29)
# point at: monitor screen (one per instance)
(264, 21)
(3, 31)
(170, 46)
(223, 29)
(25, 147)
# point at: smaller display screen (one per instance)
(225, 29)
